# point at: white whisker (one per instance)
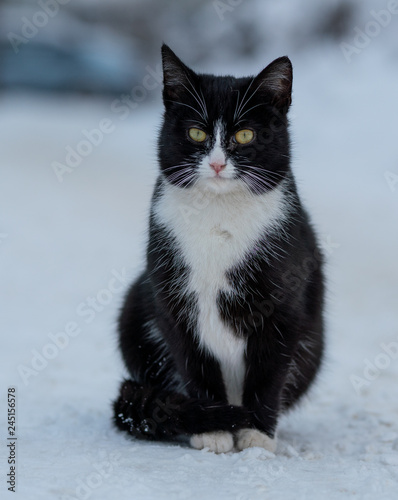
(188, 106)
(236, 107)
(196, 99)
(198, 122)
(261, 170)
(204, 102)
(257, 181)
(180, 165)
(247, 111)
(242, 106)
(243, 98)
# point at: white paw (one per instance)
(219, 442)
(247, 438)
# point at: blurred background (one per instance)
(80, 109)
(102, 47)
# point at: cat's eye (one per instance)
(244, 136)
(196, 134)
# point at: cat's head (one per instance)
(224, 133)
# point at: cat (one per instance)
(223, 331)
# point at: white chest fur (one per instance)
(214, 233)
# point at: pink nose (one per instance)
(217, 166)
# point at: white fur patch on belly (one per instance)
(214, 233)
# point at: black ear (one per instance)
(276, 79)
(177, 77)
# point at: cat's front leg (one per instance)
(248, 438)
(264, 383)
(205, 381)
(263, 435)
(218, 442)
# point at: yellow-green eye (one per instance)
(244, 136)
(196, 134)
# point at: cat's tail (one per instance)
(149, 413)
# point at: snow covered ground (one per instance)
(63, 244)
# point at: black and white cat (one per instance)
(223, 330)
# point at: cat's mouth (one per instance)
(218, 183)
(219, 178)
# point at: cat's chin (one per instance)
(218, 185)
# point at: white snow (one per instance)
(62, 243)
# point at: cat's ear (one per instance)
(276, 80)
(177, 77)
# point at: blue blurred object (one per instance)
(41, 66)
(64, 52)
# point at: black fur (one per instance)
(176, 387)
